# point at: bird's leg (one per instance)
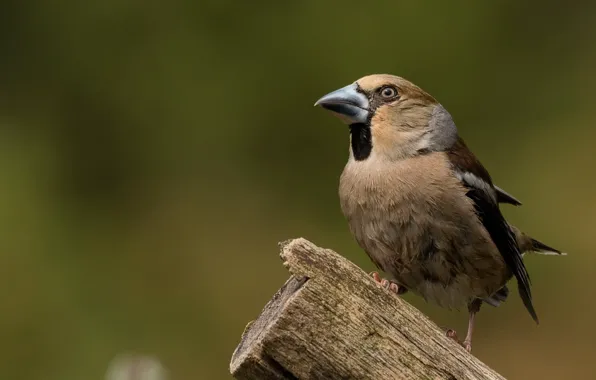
(387, 284)
(473, 308)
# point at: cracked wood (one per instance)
(330, 320)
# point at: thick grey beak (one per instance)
(349, 104)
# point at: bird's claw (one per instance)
(467, 345)
(392, 286)
(452, 334)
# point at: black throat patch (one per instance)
(361, 141)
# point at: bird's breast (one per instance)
(388, 205)
(373, 188)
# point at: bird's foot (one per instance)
(392, 286)
(467, 345)
(453, 335)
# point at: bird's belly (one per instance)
(422, 259)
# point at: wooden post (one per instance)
(331, 320)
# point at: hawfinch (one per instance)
(421, 205)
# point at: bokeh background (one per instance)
(153, 153)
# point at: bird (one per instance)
(422, 206)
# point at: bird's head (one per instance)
(390, 118)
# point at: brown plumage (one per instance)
(420, 204)
(409, 216)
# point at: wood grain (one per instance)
(330, 320)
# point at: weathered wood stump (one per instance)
(331, 320)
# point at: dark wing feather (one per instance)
(500, 296)
(482, 192)
(505, 197)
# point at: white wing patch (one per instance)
(474, 181)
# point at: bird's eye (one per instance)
(388, 92)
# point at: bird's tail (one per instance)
(543, 249)
(529, 244)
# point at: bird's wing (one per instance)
(505, 197)
(485, 197)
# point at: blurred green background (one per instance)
(153, 153)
